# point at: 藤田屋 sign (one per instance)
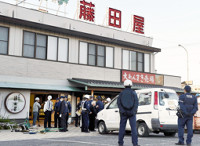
(142, 78)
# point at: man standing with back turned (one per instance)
(128, 105)
(188, 106)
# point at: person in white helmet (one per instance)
(48, 107)
(36, 107)
(128, 104)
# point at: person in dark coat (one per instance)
(92, 116)
(68, 110)
(85, 114)
(128, 104)
(99, 104)
(56, 114)
(78, 114)
(62, 115)
(189, 106)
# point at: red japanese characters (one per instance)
(138, 24)
(114, 18)
(87, 11)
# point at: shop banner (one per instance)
(142, 78)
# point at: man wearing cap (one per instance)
(188, 106)
(56, 114)
(48, 107)
(68, 110)
(62, 114)
(36, 108)
(99, 104)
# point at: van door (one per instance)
(113, 117)
(145, 107)
(167, 106)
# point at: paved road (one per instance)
(93, 139)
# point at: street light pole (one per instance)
(187, 62)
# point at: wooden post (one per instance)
(92, 92)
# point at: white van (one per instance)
(156, 113)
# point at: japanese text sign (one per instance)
(143, 78)
(87, 11)
(138, 24)
(114, 18)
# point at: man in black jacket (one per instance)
(62, 115)
(128, 105)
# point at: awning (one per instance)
(38, 87)
(119, 85)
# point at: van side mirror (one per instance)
(166, 95)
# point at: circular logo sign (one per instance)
(15, 102)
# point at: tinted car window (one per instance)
(145, 99)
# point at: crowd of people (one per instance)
(86, 112)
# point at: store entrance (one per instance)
(43, 98)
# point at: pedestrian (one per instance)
(85, 112)
(128, 104)
(62, 115)
(48, 107)
(188, 107)
(78, 114)
(56, 113)
(99, 104)
(36, 108)
(68, 110)
(92, 116)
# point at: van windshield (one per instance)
(164, 100)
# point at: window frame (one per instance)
(8, 40)
(35, 44)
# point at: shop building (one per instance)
(43, 54)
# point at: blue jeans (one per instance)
(35, 115)
(181, 124)
(132, 121)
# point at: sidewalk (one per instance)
(7, 135)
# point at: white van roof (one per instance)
(155, 89)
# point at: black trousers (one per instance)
(77, 120)
(47, 119)
(92, 122)
(56, 120)
(67, 117)
(63, 123)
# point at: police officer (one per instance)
(56, 114)
(128, 104)
(99, 104)
(188, 106)
(68, 110)
(85, 114)
(62, 115)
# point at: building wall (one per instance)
(5, 114)
(172, 81)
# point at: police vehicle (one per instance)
(156, 113)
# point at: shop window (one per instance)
(125, 59)
(52, 48)
(144, 99)
(35, 45)
(83, 53)
(63, 48)
(3, 40)
(133, 61)
(100, 56)
(140, 62)
(147, 63)
(92, 55)
(109, 57)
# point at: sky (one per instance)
(168, 22)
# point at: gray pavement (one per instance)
(75, 138)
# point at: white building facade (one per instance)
(43, 54)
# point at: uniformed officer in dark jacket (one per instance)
(56, 114)
(99, 104)
(62, 115)
(188, 106)
(68, 110)
(85, 113)
(128, 105)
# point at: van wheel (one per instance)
(102, 128)
(170, 134)
(142, 130)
